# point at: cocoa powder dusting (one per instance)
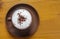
(21, 18)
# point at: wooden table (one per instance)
(49, 14)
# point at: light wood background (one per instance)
(49, 14)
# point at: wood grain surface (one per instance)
(49, 14)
